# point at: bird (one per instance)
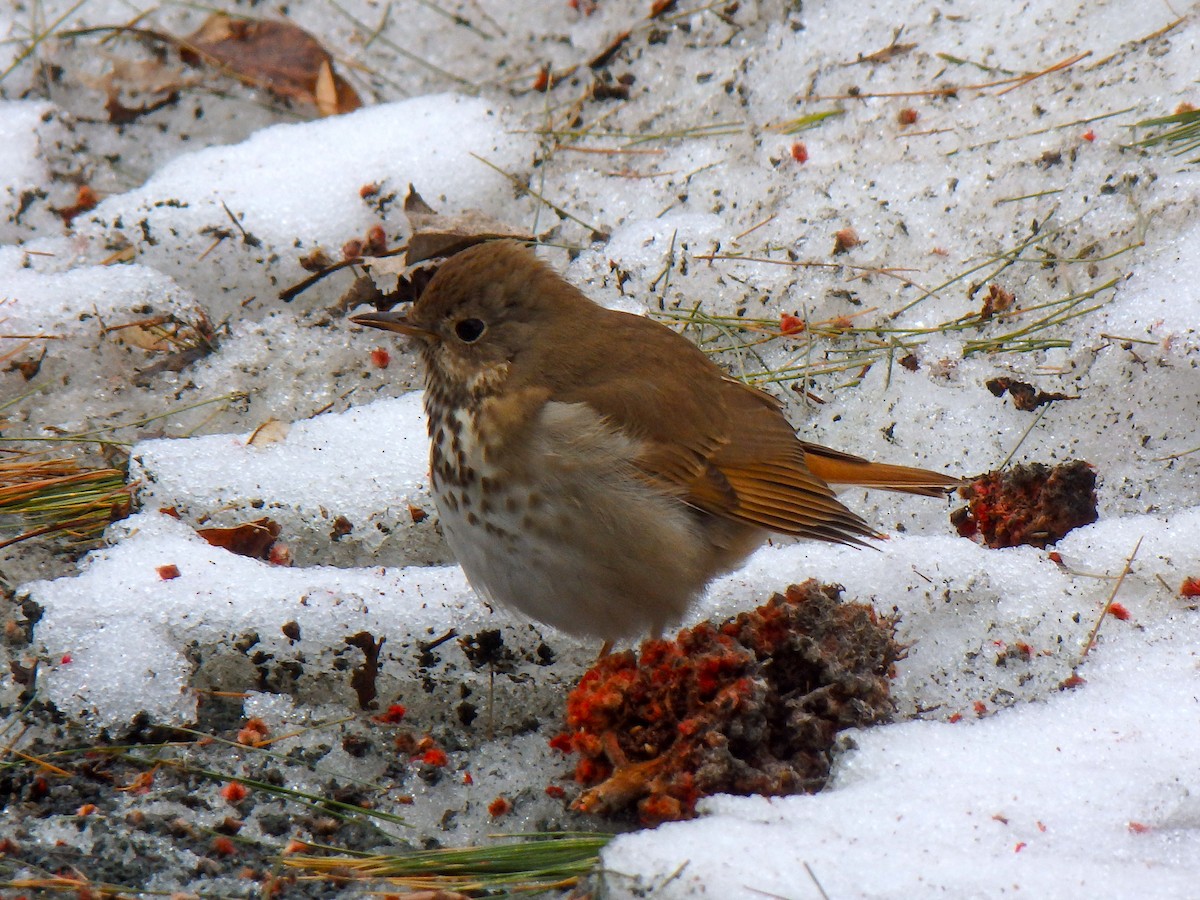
(594, 470)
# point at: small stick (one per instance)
(1109, 602)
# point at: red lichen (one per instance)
(1030, 504)
(750, 706)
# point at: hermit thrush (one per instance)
(593, 469)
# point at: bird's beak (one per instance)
(390, 321)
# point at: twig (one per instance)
(1109, 602)
(525, 188)
(1009, 84)
(33, 45)
(1028, 431)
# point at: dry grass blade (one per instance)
(1008, 84)
(39, 38)
(57, 496)
(803, 123)
(853, 344)
(530, 863)
(76, 886)
(1108, 603)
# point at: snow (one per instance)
(321, 470)
(994, 780)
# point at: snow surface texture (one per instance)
(992, 780)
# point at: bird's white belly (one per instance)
(591, 549)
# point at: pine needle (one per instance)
(57, 496)
(528, 863)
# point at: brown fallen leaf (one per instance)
(269, 432)
(1024, 396)
(278, 56)
(435, 234)
(252, 539)
(399, 275)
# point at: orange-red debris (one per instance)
(845, 240)
(234, 792)
(790, 324)
(1032, 504)
(253, 732)
(394, 714)
(750, 706)
(435, 757)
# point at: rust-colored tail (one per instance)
(835, 467)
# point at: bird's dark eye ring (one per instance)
(469, 330)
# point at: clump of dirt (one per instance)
(1031, 504)
(750, 706)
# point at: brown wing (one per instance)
(721, 446)
(766, 466)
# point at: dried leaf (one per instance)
(252, 539)
(401, 274)
(434, 234)
(148, 335)
(269, 432)
(278, 56)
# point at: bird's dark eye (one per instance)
(469, 330)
